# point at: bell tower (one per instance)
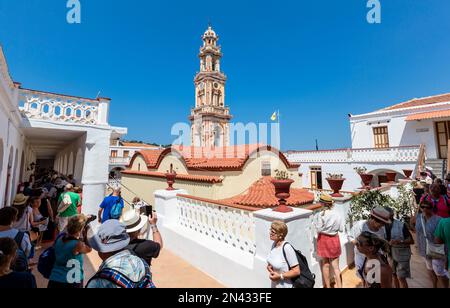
(210, 118)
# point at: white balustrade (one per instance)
(232, 226)
(369, 155)
(52, 107)
(119, 160)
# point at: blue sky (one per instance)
(315, 61)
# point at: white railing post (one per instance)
(103, 110)
(166, 206)
(299, 226)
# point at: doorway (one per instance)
(316, 178)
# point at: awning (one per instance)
(429, 115)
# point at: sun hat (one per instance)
(381, 214)
(110, 237)
(133, 221)
(20, 199)
(326, 199)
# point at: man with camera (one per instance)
(136, 225)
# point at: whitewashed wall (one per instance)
(215, 238)
(401, 133)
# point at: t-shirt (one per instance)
(23, 224)
(72, 209)
(440, 205)
(430, 227)
(278, 261)
(358, 228)
(108, 204)
(25, 245)
(145, 249)
(443, 232)
(17, 280)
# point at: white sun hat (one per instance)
(133, 221)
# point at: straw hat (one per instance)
(20, 199)
(133, 221)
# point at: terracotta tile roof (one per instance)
(442, 98)
(262, 195)
(138, 145)
(184, 177)
(220, 202)
(152, 157)
(429, 115)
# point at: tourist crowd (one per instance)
(382, 243)
(47, 211)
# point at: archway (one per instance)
(64, 166)
(70, 165)
(14, 175)
(78, 172)
(8, 175)
(22, 166)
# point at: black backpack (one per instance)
(307, 279)
(21, 262)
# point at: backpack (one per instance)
(116, 210)
(21, 262)
(306, 280)
(65, 203)
(47, 260)
(123, 281)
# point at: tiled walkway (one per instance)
(170, 271)
(419, 275)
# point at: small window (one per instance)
(126, 154)
(114, 153)
(266, 169)
(381, 137)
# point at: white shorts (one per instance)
(437, 266)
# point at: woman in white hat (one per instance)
(136, 225)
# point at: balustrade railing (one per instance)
(120, 160)
(60, 108)
(234, 227)
(369, 155)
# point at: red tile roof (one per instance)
(183, 177)
(151, 157)
(262, 195)
(138, 145)
(205, 159)
(442, 98)
(429, 115)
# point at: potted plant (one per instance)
(365, 177)
(363, 203)
(336, 182)
(391, 176)
(282, 184)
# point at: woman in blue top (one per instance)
(69, 250)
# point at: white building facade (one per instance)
(406, 136)
(69, 133)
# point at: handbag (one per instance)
(433, 251)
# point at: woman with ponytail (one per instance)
(376, 271)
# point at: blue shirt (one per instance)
(108, 204)
(66, 262)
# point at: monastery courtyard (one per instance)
(170, 271)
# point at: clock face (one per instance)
(216, 85)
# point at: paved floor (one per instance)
(170, 271)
